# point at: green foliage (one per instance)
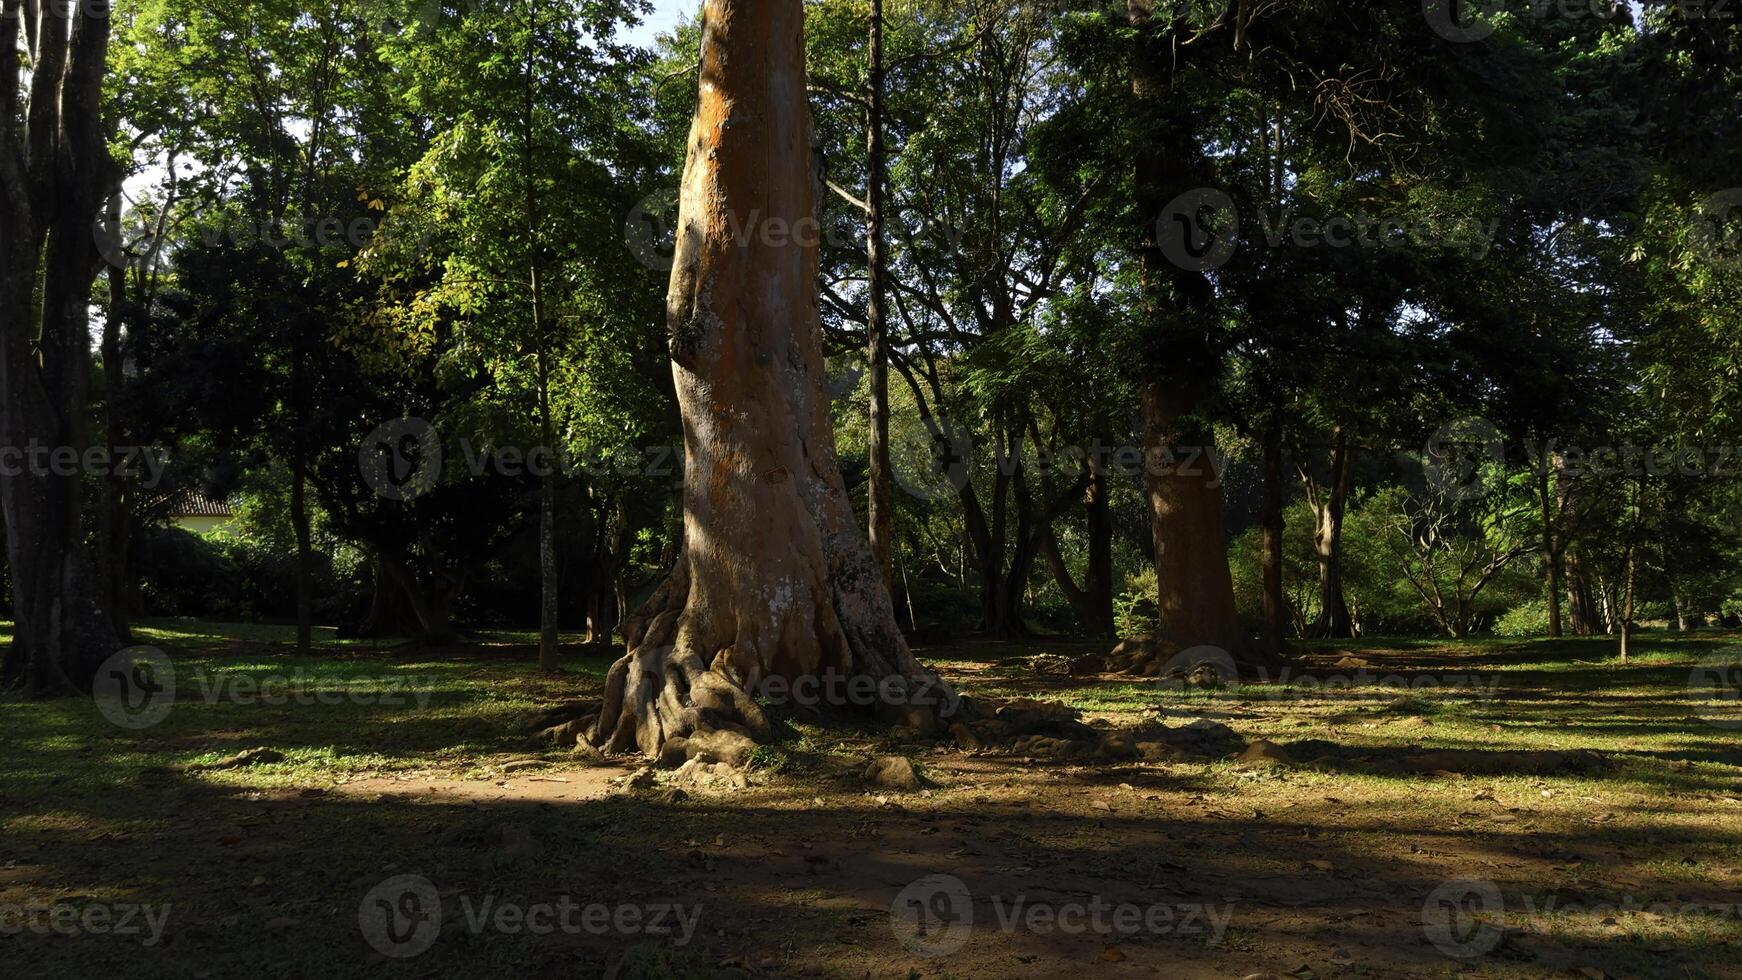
(1529, 619)
(1134, 608)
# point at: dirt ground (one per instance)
(1430, 810)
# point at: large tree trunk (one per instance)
(55, 179)
(776, 580)
(1196, 588)
(1196, 601)
(390, 612)
(880, 508)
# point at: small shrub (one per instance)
(1529, 619)
(1137, 609)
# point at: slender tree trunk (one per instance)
(1334, 621)
(549, 609)
(1627, 602)
(299, 519)
(1551, 554)
(1098, 577)
(1271, 544)
(776, 579)
(549, 652)
(880, 508)
(1629, 586)
(907, 593)
(429, 606)
(113, 517)
(1581, 606)
(611, 541)
(1093, 600)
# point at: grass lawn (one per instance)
(1601, 802)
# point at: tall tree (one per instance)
(881, 514)
(775, 578)
(56, 176)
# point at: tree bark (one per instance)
(1092, 601)
(390, 612)
(1196, 588)
(1329, 507)
(299, 519)
(1271, 544)
(1098, 577)
(1196, 600)
(549, 606)
(880, 505)
(114, 520)
(775, 580)
(549, 658)
(1552, 493)
(429, 606)
(1627, 602)
(1581, 606)
(55, 179)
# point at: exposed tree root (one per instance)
(1160, 657)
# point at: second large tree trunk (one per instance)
(1196, 589)
(776, 580)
